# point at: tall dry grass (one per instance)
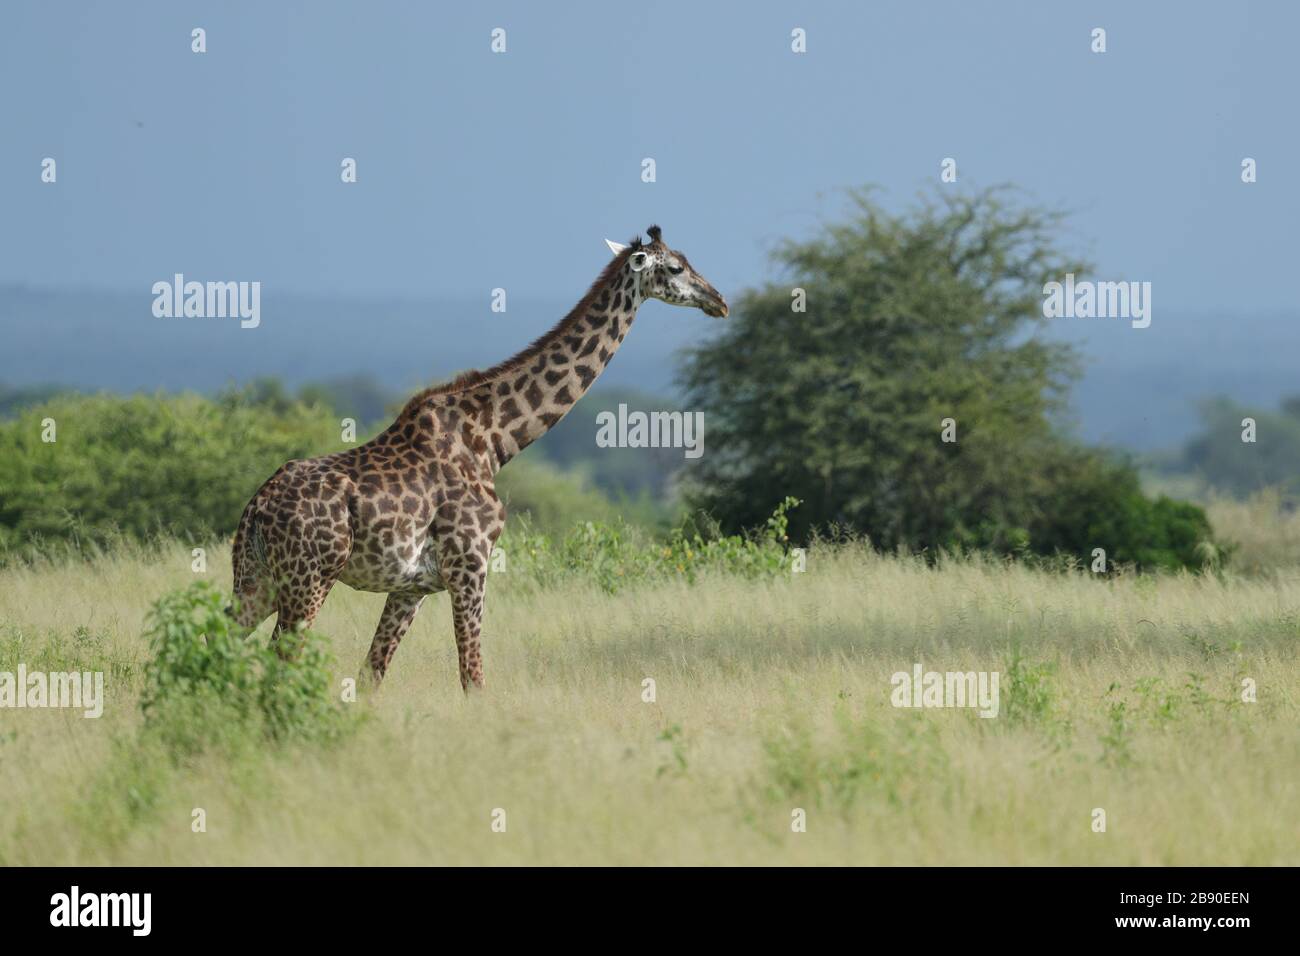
(772, 695)
(1262, 530)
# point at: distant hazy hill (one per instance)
(95, 340)
(1139, 390)
(1141, 387)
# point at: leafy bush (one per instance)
(206, 685)
(207, 692)
(1090, 500)
(139, 467)
(616, 554)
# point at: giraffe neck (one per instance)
(527, 401)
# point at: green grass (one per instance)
(772, 693)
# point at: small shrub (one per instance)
(1162, 705)
(863, 761)
(677, 764)
(615, 554)
(1157, 701)
(1026, 690)
(1117, 741)
(205, 685)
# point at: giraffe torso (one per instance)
(389, 513)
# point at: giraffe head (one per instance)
(666, 275)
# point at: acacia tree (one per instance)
(911, 319)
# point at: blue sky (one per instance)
(480, 170)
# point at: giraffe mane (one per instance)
(475, 377)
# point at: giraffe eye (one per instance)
(677, 269)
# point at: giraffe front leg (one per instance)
(466, 579)
(399, 612)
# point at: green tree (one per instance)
(911, 319)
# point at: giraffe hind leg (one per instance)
(305, 553)
(250, 607)
(296, 609)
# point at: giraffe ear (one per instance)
(615, 247)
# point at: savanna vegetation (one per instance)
(676, 672)
(771, 694)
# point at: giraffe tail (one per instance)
(254, 596)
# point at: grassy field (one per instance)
(772, 693)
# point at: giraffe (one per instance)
(414, 510)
